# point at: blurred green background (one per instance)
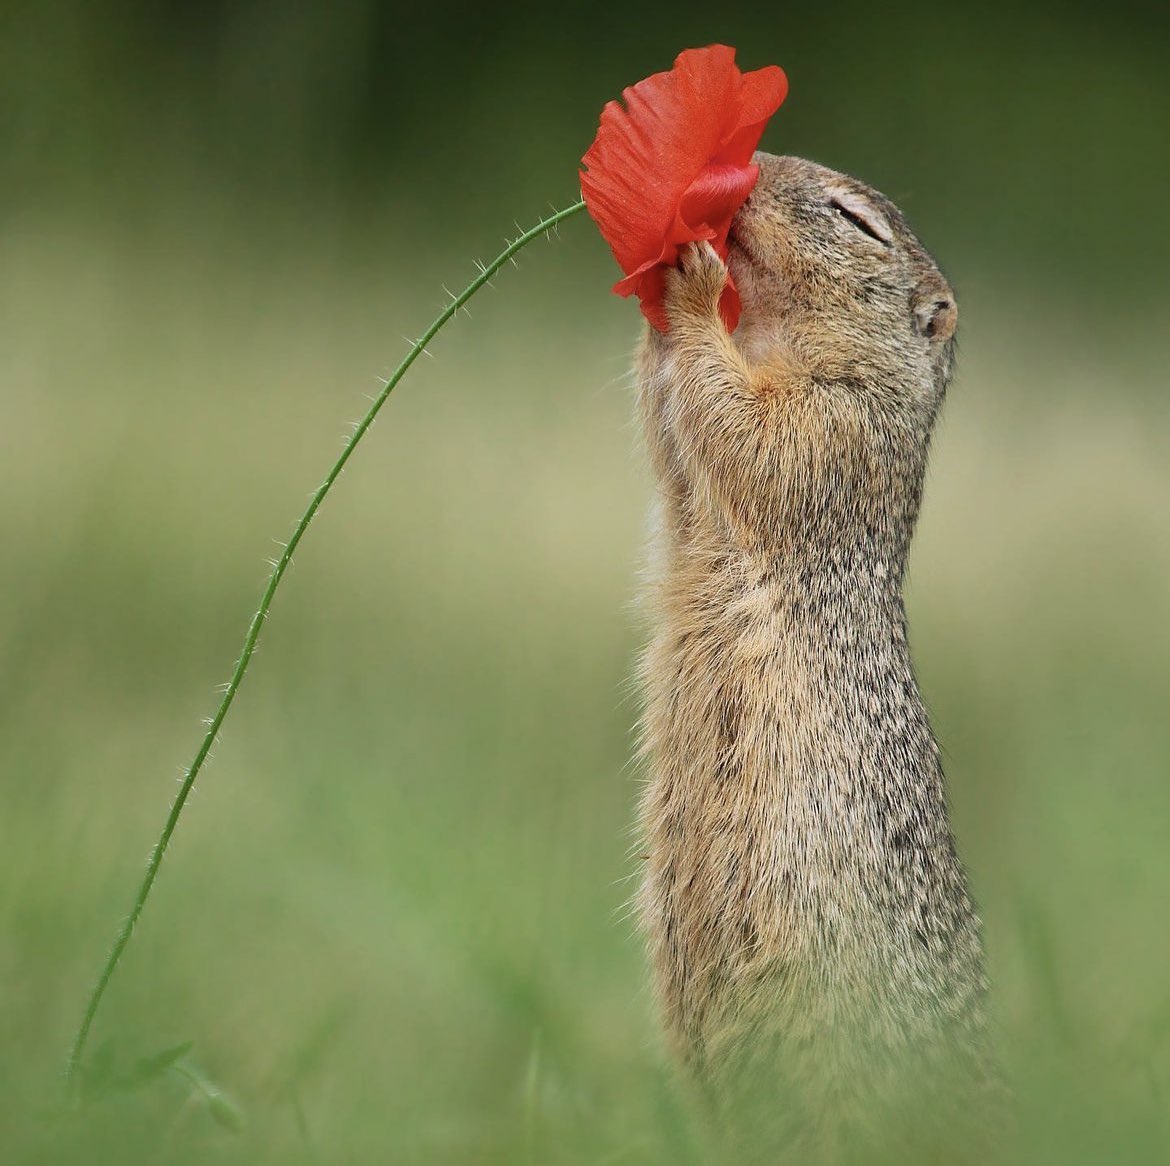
(393, 921)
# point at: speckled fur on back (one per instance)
(812, 939)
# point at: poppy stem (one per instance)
(122, 939)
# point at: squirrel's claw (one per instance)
(695, 286)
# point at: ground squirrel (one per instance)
(808, 919)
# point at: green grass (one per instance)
(393, 921)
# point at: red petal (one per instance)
(651, 294)
(710, 202)
(730, 305)
(762, 92)
(673, 165)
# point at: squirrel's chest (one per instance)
(778, 753)
(750, 695)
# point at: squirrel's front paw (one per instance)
(695, 287)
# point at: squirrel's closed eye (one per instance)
(862, 217)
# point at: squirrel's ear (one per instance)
(935, 317)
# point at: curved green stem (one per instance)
(255, 627)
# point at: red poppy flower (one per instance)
(674, 165)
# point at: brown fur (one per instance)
(809, 926)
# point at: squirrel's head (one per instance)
(831, 275)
